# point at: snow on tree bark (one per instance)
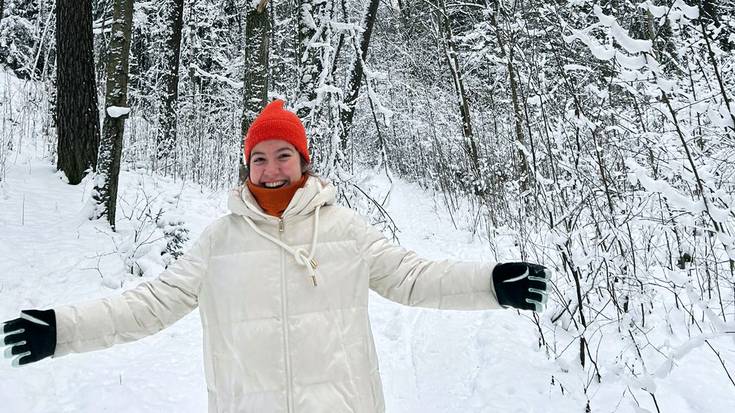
(318, 101)
(357, 71)
(314, 16)
(116, 96)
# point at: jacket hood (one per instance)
(316, 192)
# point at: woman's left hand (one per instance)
(521, 285)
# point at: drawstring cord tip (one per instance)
(313, 270)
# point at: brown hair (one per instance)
(306, 167)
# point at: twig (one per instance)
(721, 362)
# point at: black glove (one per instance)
(31, 337)
(521, 285)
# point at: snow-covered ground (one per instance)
(431, 361)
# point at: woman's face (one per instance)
(274, 164)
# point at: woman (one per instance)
(282, 286)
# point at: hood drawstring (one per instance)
(299, 254)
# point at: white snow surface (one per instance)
(117, 111)
(53, 255)
(431, 361)
(620, 35)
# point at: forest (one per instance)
(598, 134)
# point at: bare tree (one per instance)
(507, 48)
(357, 70)
(444, 29)
(76, 110)
(116, 111)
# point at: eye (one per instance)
(284, 156)
(258, 160)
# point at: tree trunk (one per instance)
(353, 85)
(116, 98)
(314, 15)
(515, 98)
(78, 127)
(173, 11)
(520, 137)
(255, 87)
(447, 40)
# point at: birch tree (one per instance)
(116, 111)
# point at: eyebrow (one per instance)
(277, 151)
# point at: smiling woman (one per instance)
(274, 164)
(277, 157)
(282, 286)
(276, 173)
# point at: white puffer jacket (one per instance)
(274, 341)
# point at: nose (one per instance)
(271, 168)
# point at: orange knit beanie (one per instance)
(275, 122)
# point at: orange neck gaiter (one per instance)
(275, 201)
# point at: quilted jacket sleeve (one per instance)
(138, 312)
(402, 276)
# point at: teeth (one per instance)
(274, 184)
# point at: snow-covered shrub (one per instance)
(150, 236)
(633, 201)
(176, 234)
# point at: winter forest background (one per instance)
(594, 136)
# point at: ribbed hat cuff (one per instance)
(285, 130)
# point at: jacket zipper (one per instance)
(284, 323)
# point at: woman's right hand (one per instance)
(31, 337)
